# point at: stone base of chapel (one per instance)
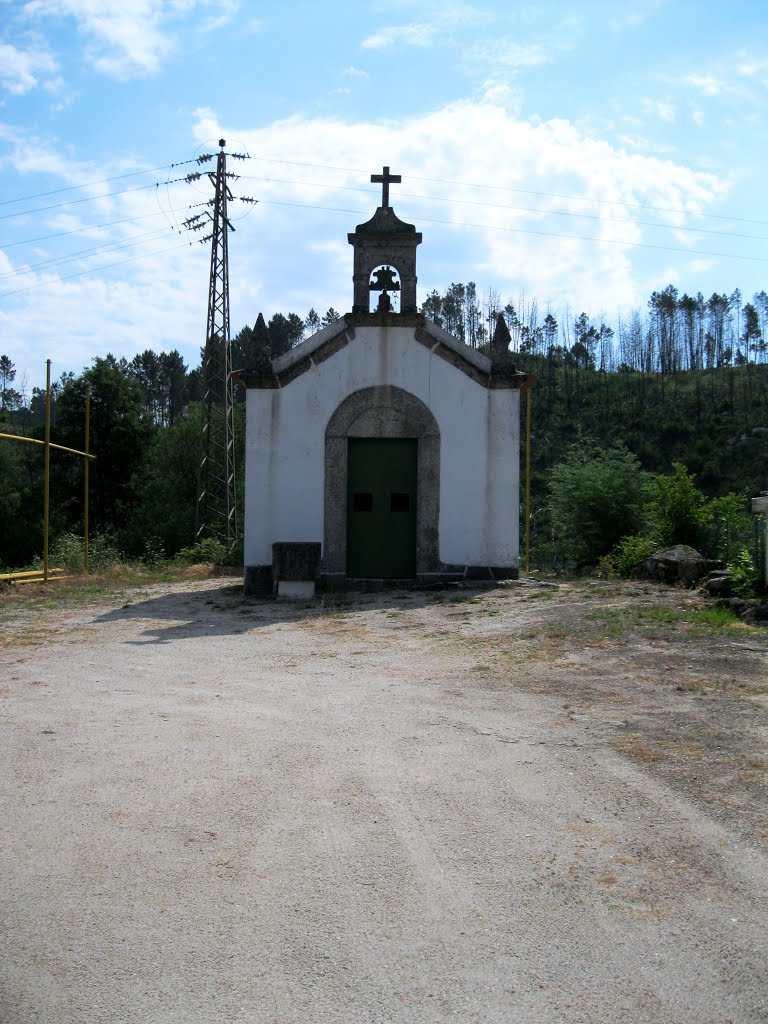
(259, 579)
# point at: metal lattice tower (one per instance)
(217, 500)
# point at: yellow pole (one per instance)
(527, 480)
(87, 468)
(55, 447)
(46, 473)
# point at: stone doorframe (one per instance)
(382, 412)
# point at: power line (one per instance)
(524, 191)
(516, 209)
(415, 177)
(86, 199)
(532, 231)
(428, 220)
(85, 253)
(75, 202)
(455, 224)
(93, 270)
(88, 227)
(90, 184)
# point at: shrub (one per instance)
(66, 551)
(743, 574)
(726, 526)
(675, 508)
(628, 555)
(209, 549)
(154, 553)
(597, 497)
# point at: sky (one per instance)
(578, 154)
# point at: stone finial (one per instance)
(503, 369)
(501, 338)
(262, 351)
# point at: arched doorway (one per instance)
(382, 486)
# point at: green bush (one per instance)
(725, 527)
(66, 552)
(628, 555)
(597, 496)
(154, 553)
(675, 508)
(743, 574)
(207, 550)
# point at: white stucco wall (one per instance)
(479, 449)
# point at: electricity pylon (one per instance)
(216, 514)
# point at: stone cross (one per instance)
(385, 179)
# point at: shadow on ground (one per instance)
(225, 611)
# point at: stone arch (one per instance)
(389, 270)
(382, 412)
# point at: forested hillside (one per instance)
(685, 383)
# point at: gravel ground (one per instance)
(532, 805)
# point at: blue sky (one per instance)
(578, 154)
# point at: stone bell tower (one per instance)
(387, 245)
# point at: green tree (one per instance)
(675, 507)
(330, 317)
(312, 324)
(279, 336)
(121, 432)
(432, 308)
(597, 496)
(10, 399)
(166, 488)
(21, 501)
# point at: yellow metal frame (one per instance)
(35, 576)
(526, 388)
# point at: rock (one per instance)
(680, 563)
(756, 614)
(718, 584)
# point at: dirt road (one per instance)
(532, 805)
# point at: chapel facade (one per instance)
(382, 447)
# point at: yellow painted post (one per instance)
(528, 480)
(86, 475)
(47, 470)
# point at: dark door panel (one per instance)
(381, 508)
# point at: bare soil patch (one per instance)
(539, 803)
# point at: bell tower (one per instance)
(387, 245)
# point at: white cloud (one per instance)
(128, 39)
(633, 15)
(708, 85)
(407, 35)
(751, 66)
(353, 72)
(508, 53)
(22, 70)
(664, 111)
(506, 246)
(487, 189)
(500, 93)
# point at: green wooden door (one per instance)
(381, 508)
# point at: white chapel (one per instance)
(382, 447)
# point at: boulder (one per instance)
(718, 584)
(756, 614)
(680, 564)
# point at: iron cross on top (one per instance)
(385, 179)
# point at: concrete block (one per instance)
(295, 561)
(295, 590)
